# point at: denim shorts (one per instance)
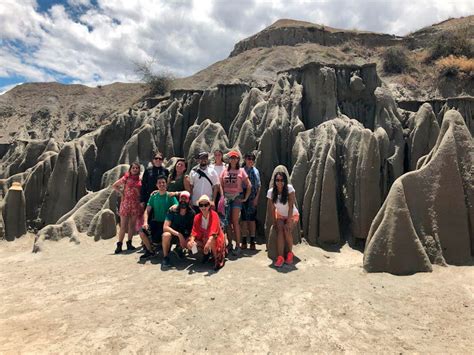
(231, 202)
(249, 211)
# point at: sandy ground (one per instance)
(82, 298)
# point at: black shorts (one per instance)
(155, 231)
(249, 212)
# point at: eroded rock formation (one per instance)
(427, 217)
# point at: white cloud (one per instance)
(78, 3)
(99, 43)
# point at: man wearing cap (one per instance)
(177, 227)
(204, 180)
(150, 175)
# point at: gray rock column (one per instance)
(14, 212)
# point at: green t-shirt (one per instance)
(161, 205)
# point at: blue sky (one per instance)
(96, 42)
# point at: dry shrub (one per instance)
(395, 60)
(456, 43)
(454, 66)
(158, 82)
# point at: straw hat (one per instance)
(203, 198)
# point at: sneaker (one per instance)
(118, 250)
(147, 254)
(279, 261)
(165, 263)
(229, 249)
(179, 252)
(289, 258)
(253, 246)
(237, 251)
(130, 246)
(243, 246)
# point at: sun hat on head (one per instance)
(203, 154)
(233, 154)
(203, 198)
(185, 193)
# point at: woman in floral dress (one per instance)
(128, 186)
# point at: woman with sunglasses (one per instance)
(281, 204)
(207, 234)
(178, 181)
(233, 179)
(150, 176)
(128, 186)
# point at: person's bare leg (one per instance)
(280, 237)
(252, 228)
(244, 232)
(123, 228)
(229, 233)
(131, 227)
(289, 236)
(145, 241)
(236, 224)
(166, 243)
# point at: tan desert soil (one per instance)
(83, 298)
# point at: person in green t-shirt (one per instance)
(160, 201)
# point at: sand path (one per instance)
(83, 298)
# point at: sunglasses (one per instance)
(157, 158)
(249, 158)
(279, 180)
(204, 205)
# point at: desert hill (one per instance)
(257, 59)
(44, 110)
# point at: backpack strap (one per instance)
(203, 174)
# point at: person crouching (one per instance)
(207, 233)
(160, 201)
(177, 228)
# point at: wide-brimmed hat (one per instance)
(203, 198)
(185, 193)
(16, 186)
(233, 154)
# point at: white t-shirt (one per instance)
(201, 185)
(204, 221)
(218, 168)
(282, 209)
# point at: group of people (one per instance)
(201, 212)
